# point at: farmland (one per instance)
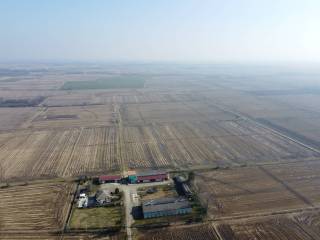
(72, 117)
(44, 236)
(73, 151)
(259, 190)
(38, 207)
(279, 228)
(113, 82)
(251, 140)
(200, 232)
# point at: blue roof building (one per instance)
(165, 207)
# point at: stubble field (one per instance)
(38, 207)
(258, 132)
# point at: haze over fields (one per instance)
(223, 94)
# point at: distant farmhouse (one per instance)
(165, 207)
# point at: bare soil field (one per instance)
(76, 151)
(71, 117)
(115, 96)
(199, 232)
(58, 236)
(302, 177)
(38, 207)
(281, 228)
(254, 191)
(259, 133)
(14, 118)
(34, 154)
(72, 151)
(217, 143)
(305, 129)
(309, 221)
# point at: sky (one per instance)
(160, 30)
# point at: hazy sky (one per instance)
(174, 30)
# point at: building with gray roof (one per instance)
(165, 207)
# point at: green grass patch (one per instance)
(108, 83)
(95, 218)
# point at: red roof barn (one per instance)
(109, 178)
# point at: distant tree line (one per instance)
(31, 102)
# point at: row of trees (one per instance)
(2, 174)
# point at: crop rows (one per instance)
(75, 151)
(59, 236)
(83, 98)
(259, 190)
(201, 232)
(282, 228)
(41, 207)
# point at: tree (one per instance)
(2, 173)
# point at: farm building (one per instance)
(110, 179)
(151, 176)
(132, 176)
(165, 207)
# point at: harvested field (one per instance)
(75, 151)
(251, 191)
(187, 143)
(200, 232)
(66, 236)
(58, 153)
(281, 228)
(38, 207)
(14, 118)
(170, 112)
(303, 177)
(309, 221)
(71, 117)
(190, 117)
(90, 97)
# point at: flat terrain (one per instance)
(37, 207)
(74, 151)
(250, 133)
(293, 227)
(112, 82)
(69, 236)
(266, 190)
(95, 218)
(199, 232)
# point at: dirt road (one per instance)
(130, 199)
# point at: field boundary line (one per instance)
(248, 118)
